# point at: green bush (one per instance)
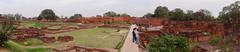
(6, 28)
(169, 43)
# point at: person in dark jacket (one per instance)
(134, 35)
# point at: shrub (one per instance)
(6, 28)
(169, 43)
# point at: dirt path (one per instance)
(129, 46)
(4, 50)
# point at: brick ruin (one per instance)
(78, 49)
(100, 20)
(169, 26)
(114, 26)
(85, 26)
(147, 22)
(47, 30)
(65, 38)
(48, 39)
(24, 34)
(201, 31)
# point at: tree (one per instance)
(177, 14)
(13, 16)
(203, 14)
(6, 29)
(148, 15)
(124, 15)
(169, 43)
(18, 17)
(190, 15)
(230, 13)
(161, 12)
(76, 16)
(9, 16)
(47, 14)
(98, 16)
(110, 14)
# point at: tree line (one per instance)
(229, 14)
(50, 15)
(179, 14)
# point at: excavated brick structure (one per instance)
(201, 31)
(24, 34)
(100, 20)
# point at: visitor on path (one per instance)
(135, 34)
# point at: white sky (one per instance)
(31, 8)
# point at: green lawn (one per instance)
(31, 42)
(55, 27)
(15, 47)
(95, 38)
(27, 24)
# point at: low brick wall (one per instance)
(79, 49)
(114, 26)
(65, 38)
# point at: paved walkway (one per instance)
(129, 46)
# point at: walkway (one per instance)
(129, 46)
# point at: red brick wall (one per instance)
(194, 29)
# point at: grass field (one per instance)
(15, 47)
(27, 24)
(95, 38)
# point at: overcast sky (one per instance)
(31, 8)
